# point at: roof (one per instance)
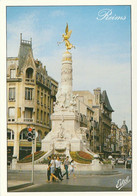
(25, 47)
(105, 100)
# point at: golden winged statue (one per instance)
(66, 37)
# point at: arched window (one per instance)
(29, 73)
(10, 134)
(24, 134)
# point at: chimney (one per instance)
(20, 38)
(97, 93)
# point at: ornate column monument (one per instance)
(65, 135)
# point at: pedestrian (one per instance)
(66, 164)
(57, 165)
(60, 172)
(48, 169)
(72, 166)
(52, 169)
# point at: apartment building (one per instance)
(30, 98)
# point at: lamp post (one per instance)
(93, 137)
(94, 127)
(31, 138)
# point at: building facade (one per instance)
(125, 140)
(30, 97)
(121, 141)
(115, 140)
(99, 117)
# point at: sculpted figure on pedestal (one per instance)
(66, 37)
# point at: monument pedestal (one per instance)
(63, 137)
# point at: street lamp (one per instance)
(93, 122)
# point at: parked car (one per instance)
(128, 163)
(121, 161)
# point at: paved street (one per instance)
(80, 183)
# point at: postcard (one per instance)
(68, 101)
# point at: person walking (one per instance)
(48, 169)
(52, 169)
(57, 165)
(60, 172)
(72, 166)
(66, 164)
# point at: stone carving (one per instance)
(66, 101)
(61, 131)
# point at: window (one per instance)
(44, 117)
(48, 101)
(45, 99)
(28, 112)
(12, 73)
(37, 114)
(29, 73)
(24, 134)
(38, 96)
(41, 98)
(41, 115)
(11, 93)
(48, 119)
(10, 135)
(28, 93)
(11, 112)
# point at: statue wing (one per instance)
(66, 31)
(69, 34)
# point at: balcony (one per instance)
(28, 119)
(29, 81)
(11, 119)
(12, 100)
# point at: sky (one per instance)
(102, 37)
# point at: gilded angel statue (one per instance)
(66, 37)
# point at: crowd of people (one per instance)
(54, 172)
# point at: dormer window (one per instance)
(29, 76)
(29, 73)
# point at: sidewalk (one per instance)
(13, 184)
